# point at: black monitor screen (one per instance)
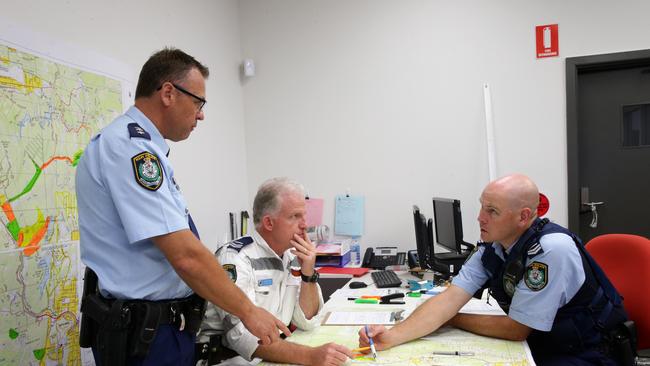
(422, 238)
(448, 223)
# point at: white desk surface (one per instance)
(339, 302)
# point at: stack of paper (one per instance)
(333, 254)
(333, 248)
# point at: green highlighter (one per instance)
(366, 301)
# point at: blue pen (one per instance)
(372, 344)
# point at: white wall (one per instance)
(210, 166)
(385, 97)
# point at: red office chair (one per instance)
(626, 261)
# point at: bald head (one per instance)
(518, 190)
(508, 208)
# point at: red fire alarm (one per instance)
(546, 37)
(543, 206)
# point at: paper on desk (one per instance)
(476, 306)
(360, 318)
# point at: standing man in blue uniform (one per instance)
(137, 234)
(555, 296)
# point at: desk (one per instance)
(487, 351)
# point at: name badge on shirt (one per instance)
(265, 282)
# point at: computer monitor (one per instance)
(421, 238)
(448, 224)
(424, 244)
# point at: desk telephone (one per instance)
(382, 257)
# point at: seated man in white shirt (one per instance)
(274, 267)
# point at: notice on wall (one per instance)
(547, 40)
(349, 215)
(314, 211)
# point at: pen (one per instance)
(452, 353)
(372, 344)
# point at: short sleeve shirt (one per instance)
(534, 307)
(120, 210)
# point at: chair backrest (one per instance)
(626, 261)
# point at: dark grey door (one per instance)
(611, 172)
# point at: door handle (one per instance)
(594, 212)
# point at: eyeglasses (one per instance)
(200, 102)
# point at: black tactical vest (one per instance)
(579, 325)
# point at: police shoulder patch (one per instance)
(238, 244)
(536, 276)
(231, 270)
(147, 170)
(136, 131)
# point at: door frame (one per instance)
(574, 67)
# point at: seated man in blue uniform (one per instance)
(145, 260)
(554, 294)
(275, 268)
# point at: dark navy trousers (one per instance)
(171, 347)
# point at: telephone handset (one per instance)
(414, 261)
(382, 257)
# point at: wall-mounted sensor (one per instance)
(249, 67)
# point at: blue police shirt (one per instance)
(535, 308)
(126, 194)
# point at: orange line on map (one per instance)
(9, 212)
(55, 158)
(33, 246)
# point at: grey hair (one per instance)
(269, 197)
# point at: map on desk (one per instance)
(487, 351)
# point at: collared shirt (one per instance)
(535, 309)
(267, 280)
(118, 216)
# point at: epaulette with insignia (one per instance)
(136, 131)
(535, 249)
(237, 244)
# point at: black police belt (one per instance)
(126, 328)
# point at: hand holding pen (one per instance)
(371, 338)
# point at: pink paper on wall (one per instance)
(314, 211)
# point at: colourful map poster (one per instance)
(48, 113)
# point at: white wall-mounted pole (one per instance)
(489, 128)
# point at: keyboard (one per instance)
(386, 279)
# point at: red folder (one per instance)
(354, 271)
